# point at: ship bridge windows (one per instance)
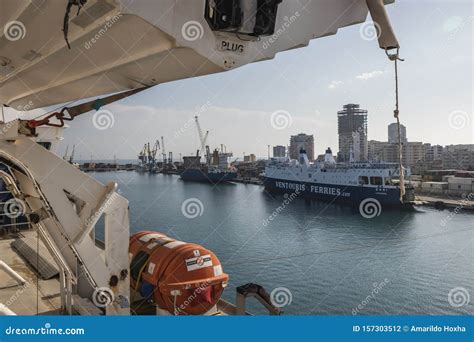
(363, 180)
(376, 181)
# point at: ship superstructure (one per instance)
(216, 168)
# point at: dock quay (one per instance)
(445, 203)
(106, 167)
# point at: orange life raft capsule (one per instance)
(182, 278)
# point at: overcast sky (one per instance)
(311, 84)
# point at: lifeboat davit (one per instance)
(181, 278)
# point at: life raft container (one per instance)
(182, 278)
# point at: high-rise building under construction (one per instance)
(352, 130)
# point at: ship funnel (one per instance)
(328, 157)
(303, 157)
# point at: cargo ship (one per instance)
(352, 183)
(216, 168)
(216, 171)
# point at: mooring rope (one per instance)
(396, 113)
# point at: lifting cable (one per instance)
(388, 41)
(396, 113)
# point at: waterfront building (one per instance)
(459, 157)
(302, 141)
(393, 133)
(412, 152)
(251, 158)
(279, 151)
(352, 130)
(432, 152)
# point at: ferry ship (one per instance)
(352, 183)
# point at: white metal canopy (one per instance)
(118, 45)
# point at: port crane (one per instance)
(203, 140)
(64, 204)
(152, 152)
(143, 156)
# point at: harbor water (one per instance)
(317, 258)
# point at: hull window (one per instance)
(376, 181)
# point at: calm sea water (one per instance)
(322, 259)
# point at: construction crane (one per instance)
(203, 140)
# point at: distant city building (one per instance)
(412, 152)
(302, 141)
(433, 152)
(279, 151)
(393, 133)
(424, 157)
(320, 157)
(382, 151)
(458, 157)
(352, 130)
(251, 158)
(377, 150)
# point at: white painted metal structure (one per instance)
(116, 45)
